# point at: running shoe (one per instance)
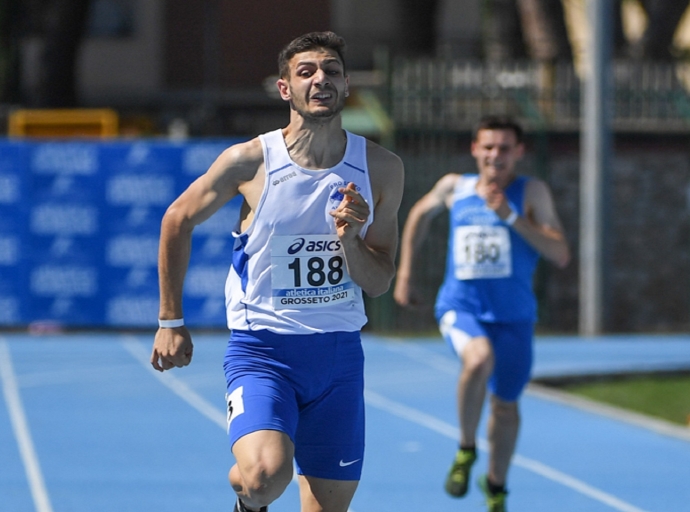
(494, 502)
(459, 474)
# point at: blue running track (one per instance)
(86, 425)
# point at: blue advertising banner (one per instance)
(79, 228)
(14, 219)
(65, 235)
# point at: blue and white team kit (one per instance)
(487, 289)
(294, 362)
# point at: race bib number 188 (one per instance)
(309, 271)
(482, 252)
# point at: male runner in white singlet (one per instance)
(317, 227)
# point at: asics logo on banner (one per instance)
(296, 246)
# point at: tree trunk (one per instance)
(544, 30)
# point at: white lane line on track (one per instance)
(176, 385)
(22, 433)
(441, 427)
(181, 389)
(447, 430)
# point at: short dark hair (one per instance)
(307, 42)
(494, 122)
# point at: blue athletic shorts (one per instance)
(311, 387)
(511, 343)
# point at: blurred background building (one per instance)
(210, 60)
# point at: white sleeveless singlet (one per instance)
(288, 272)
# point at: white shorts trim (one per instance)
(458, 339)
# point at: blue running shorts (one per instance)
(511, 343)
(311, 387)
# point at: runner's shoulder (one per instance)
(243, 159)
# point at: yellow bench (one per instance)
(63, 123)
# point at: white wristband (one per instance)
(510, 219)
(171, 324)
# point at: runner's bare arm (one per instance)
(541, 227)
(414, 234)
(232, 172)
(371, 260)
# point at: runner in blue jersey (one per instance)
(500, 223)
(317, 229)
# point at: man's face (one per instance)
(317, 86)
(496, 153)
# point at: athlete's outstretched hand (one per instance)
(172, 348)
(351, 213)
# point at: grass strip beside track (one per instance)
(661, 396)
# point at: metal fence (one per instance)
(434, 104)
(437, 94)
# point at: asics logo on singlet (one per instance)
(323, 245)
(313, 246)
(296, 246)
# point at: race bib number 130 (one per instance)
(482, 252)
(309, 271)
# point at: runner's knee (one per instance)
(264, 481)
(477, 358)
(505, 413)
(264, 466)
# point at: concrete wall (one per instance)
(184, 45)
(365, 24)
(368, 24)
(128, 66)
